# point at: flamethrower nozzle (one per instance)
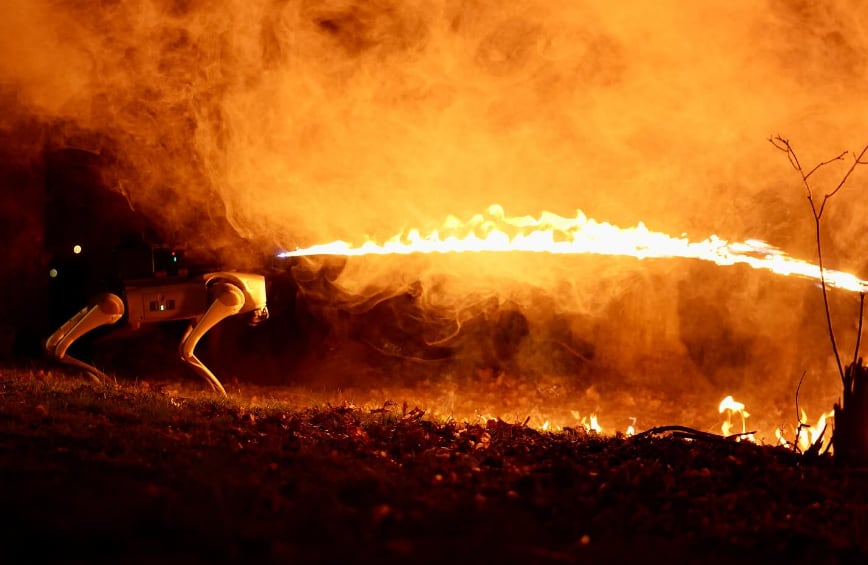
(258, 316)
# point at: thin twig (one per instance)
(739, 435)
(685, 432)
(802, 425)
(829, 445)
(673, 428)
(783, 144)
(826, 297)
(798, 388)
(824, 163)
(857, 161)
(818, 443)
(859, 330)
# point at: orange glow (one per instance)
(550, 233)
(352, 128)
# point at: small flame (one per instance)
(589, 423)
(779, 435)
(550, 233)
(808, 435)
(631, 429)
(594, 425)
(730, 407)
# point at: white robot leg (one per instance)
(109, 308)
(227, 300)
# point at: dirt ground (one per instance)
(136, 474)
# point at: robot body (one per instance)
(205, 300)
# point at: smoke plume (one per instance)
(306, 121)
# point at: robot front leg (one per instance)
(108, 309)
(228, 300)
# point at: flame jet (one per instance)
(580, 235)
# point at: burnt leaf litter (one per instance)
(134, 474)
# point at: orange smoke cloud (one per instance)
(322, 120)
(306, 122)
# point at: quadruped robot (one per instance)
(156, 286)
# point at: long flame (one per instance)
(580, 235)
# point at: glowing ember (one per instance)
(730, 407)
(550, 233)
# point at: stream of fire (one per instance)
(551, 233)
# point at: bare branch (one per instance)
(857, 161)
(802, 425)
(824, 163)
(779, 142)
(783, 144)
(798, 388)
(825, 288)
(859, 331)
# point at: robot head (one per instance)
(140, 261)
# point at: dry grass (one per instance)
(156, 472)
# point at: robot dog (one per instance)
(156, 287)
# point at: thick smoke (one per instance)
(334, 119)
(301, 122)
